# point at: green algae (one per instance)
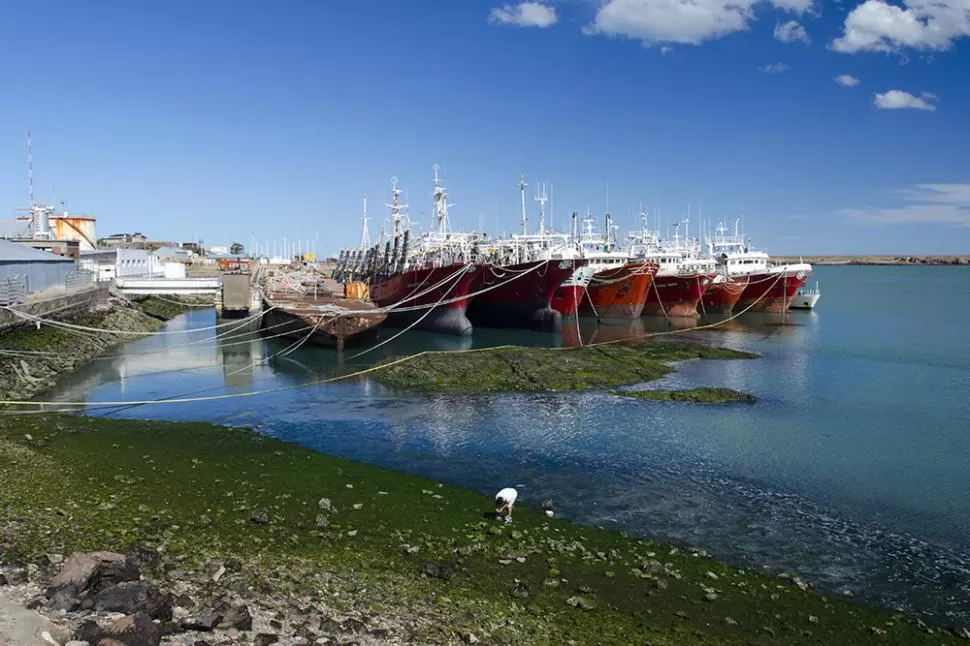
(703, 395)
(389, 540)
(517, 369)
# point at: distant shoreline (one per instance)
(877, 260)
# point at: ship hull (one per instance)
(439, 294)
(520, 295)
(676, 295)
(304, 321)
(566, 299)
(569, 296)
(723, 295)
(771, 291)
(619, 292)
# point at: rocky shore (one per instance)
(145, 533)
(877, 260)
(32, 357)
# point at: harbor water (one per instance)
(850, 471)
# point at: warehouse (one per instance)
(30, 269)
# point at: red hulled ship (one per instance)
(433, 298)
(723, 294)
(519, 295)
(768, 287)
(676, 294)
(772, 291)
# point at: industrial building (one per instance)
(33, 270)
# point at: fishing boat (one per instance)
(683, 275)
(770, 287)
(424, 283)
(805, 299)
(617, 286)
(521, 275)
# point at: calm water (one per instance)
(851, 471)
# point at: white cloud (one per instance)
(664, 50)
(928, 204)
(791, 32)
(773, 68)
(899, 100)
(689, 22)
(524, 14)
(846, 80)
(876, 26)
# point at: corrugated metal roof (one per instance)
(13, 252)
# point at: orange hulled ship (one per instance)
(619, 292)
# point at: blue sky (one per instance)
(245, 119)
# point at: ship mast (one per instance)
(395, 207)
(525, 219)
(440, 203)
(541, 199)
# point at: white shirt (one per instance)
(508, 495)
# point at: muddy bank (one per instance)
(32, 358)
(517, 369)
(239, 538)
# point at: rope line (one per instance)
(358, 373)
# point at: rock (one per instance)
(581, 602)
(204, 622)
(142, 555)
(131, 630)
(660, 584)
(439, 571)
(710, 596)
(653, 567)
(325, 504)
(265, 639)
(60, 634)
(14, 574)
(730, 622)
(218, 574)
(90, 572)
(237, 617)
(130, 597)
(961, 631)
(77, 643)
(259, 517)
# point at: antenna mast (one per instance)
(365, 233)
(525, 219)
(30, 169)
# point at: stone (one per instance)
(265, 639)
(259, 517)
(439, 571)
(60, 634)
(581, 602)
(131, 630)
(77, 643)
(142, 555)
(325, 504)
(237, 617)
(961, 631)
(135, 596)
(14, 574)
(92, 571)
(203, 622)
(710, 596)
(654, 567)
